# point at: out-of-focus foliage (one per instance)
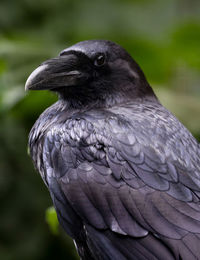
(162, 36)
(52, 220)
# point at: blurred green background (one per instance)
(162, 36)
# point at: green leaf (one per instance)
(52, 220)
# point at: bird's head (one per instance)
(92, 72)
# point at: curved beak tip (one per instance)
(33, 78)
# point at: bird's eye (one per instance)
(100, 60)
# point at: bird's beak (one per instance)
(56, 73)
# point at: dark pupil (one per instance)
(100, 60)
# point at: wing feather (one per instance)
(116, 179)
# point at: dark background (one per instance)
(162, 36)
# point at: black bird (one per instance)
(122, 171)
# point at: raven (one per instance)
(122, 171)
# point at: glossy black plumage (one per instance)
(122, 171)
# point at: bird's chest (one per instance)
(54, 152)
